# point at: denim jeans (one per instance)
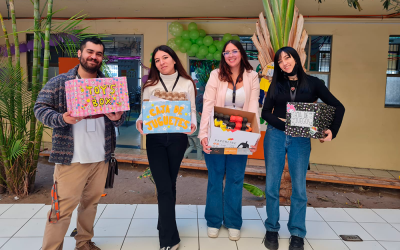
(194, 143)
(276, 145)
(225, 205)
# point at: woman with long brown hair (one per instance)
(234, 85)
(165, 151)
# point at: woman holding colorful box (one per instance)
(234, 85)
(290, 84)
(165, 150)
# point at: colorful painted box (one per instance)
(166, 117)
(308, 119)
(95, 96)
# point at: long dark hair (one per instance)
(154, 74)
(279, 79)
(225, 73)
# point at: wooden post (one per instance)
(286, 185)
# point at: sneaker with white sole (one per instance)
(212, 232)
(234, 234)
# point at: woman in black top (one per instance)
(290, 84)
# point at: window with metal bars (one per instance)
(318, 62)
(392, 98)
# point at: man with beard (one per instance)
(81, 151)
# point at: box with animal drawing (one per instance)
(232, 131)
(166, 112)
(308, 119)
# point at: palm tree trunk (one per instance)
(6, 162)
(47, 42)
(7, 40)
(36, 17)
(39, 133)
(18, 94)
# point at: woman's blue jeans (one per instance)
(276, 145)
(225, 205)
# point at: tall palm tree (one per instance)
(20, 132)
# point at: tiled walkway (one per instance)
(123, 226)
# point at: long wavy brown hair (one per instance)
(225, 73)
(154, 75)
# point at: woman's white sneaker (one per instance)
(234, 234)
(212, 232)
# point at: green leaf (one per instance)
(289, 20)
(278, 22)
(271, 26)
(283, 10)
(256, 191)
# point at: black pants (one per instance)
(165, 153)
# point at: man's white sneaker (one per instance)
(212, 232)
(234, 234)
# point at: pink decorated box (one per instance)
(95, 96)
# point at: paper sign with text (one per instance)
(166, 117)
(94, 96)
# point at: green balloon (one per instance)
(202, 33)
(208, 40)
(178, 40)
(200, 56)
(237, 38)
(210, 56)
(217, 55)
(186, 44)
(185, 35)
(194, 48)
(199, 41)
(182, 49)
(175, 28)
(216, 42)
(211, 49)
(171, 40)
(220, 45)
(175, 47)
(194, 34)
(227, 37)
(190, 53)
(192, 26)
(203, 50)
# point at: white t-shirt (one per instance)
(239, 99)
(89, 146)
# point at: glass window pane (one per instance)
(392, 91)
(323, 77)
(320, 54)
(393, 66)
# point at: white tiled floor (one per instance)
(124, 226)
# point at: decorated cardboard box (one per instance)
(166, 117)
(95, 96)
(234, 142)
(308, 119)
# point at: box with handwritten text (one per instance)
(308, 119)
(166, 117)
(95, 96)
